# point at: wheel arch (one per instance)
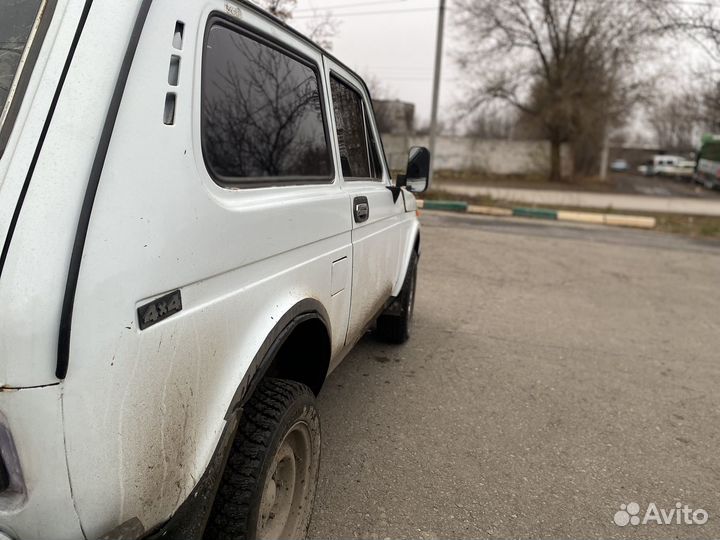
(306, 322)
(412, 244)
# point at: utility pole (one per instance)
(605, 156)
(436, 81)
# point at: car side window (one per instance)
(358, 153)
(263, 119)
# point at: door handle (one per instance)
(361, 209)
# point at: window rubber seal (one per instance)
(257, 35)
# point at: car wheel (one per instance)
(393, 326)
(268, 486)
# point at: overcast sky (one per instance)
(390, 40)
(393, 41)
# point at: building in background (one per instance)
(394, 117)
(396, 122)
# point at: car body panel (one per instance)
(141, 412)
(708, 172)
(241, 258)
(45, 226)
(34, 418)
(379, 241)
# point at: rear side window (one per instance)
(262, 112)
(17, 19)
(351, 130)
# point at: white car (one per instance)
(666, 165)
(684, 170)
(198, 224)
(619, 165)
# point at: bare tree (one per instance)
(282, 9)
(491, 124)
(423, 128)
(567, 64)
(391, 115)
(676, 120)
(380, 95)
(711, 106)
(698, 21)
(378, 89)
(321, 26)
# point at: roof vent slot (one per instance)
(178, 35)
(169, 113)
(174, 72)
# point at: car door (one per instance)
(377, 215)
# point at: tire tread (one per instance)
(229, 518)
(395, 328)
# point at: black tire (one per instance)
(393, 326)
(276, 411)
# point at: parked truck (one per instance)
(707, 170)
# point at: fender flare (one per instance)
(301, 312)
(414, 235)
(189, 520)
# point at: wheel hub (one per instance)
(286, 486)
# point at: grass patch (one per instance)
(693, 226)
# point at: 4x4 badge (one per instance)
(159, 309)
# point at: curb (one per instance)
(537, 213)
(616, 220)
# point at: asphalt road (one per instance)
(555, 372)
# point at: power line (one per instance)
(331, 8)
(425, 9)
(363, 13)
(346, 6)
(423, 80)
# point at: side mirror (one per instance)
(417, 179)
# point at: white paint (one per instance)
(31, 306)
(143, 410)
(377, 242)
(340, 277)
(34, 417)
